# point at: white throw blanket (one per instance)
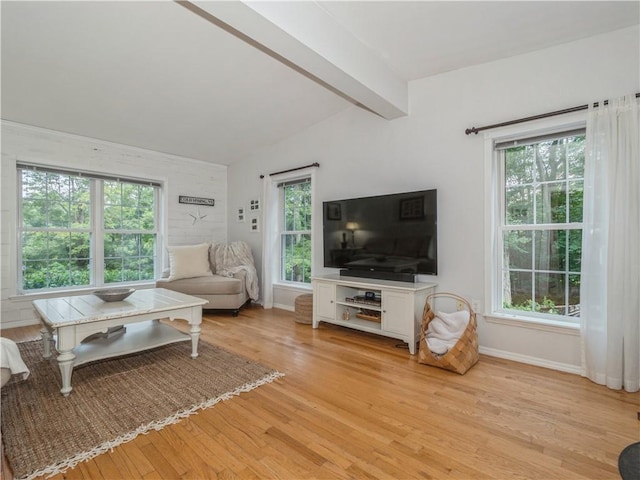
(11, 359)
(445, 329)
(230, 258)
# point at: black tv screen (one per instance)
(394, 233)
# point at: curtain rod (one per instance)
(475, 130)
(314, 164)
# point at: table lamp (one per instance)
(352, 227)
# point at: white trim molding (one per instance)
(538, 362)
(282, 306)
(534, 324)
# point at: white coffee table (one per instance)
(70, 320)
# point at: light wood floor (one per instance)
(354, 405)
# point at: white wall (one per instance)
(179, 175)
(362, 154)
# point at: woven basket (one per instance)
(464, 354)
(304, 308)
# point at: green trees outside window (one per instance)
(542, 226)
(56, 230)
(62, 242)
(129, 232)
(296, 232)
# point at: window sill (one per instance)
(533, 323)
(294, 287)
(76, 291)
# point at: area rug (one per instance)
(113, 401)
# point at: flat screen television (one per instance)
(385, 236)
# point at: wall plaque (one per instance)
(209, 202)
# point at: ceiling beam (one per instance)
(305, 37)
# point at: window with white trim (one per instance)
(295, 230)
(78, 230)
(538, 226)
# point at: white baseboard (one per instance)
(19, 323)
(281, 306)
(539, 362)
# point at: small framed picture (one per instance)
(334, 211)
(412, 208)
(240, 214)
(255, 225)
(254, 205)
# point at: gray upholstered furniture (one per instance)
(5, 375)
(225, 275)
(222, 293)
(10, 361)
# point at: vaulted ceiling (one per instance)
(217, 80)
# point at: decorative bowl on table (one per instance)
(113, 294)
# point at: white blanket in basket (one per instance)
(445, 330)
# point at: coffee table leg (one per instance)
(65, 362)
(195, 335)
(46, 341)
(66, 357)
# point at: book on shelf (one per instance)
(361, 299)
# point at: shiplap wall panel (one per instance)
(179, 176)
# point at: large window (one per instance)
(295, 233)
(80, 231)
(538, 229)
(129, 231)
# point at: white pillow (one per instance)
(189, 261)
(456, 321)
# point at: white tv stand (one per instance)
(396, 311)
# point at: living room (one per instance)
(359, 154)
(362, 154)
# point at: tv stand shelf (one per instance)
(398, 314)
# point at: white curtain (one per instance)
(270, 253)
(610, 287)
